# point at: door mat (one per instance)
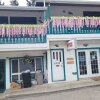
(96, 78)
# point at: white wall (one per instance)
(11, 54)
(49, 66)
(90, 43)
(69, 68)
(7, 74)
(71, 71)
(21, 47)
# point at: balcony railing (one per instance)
(74, 25)
(12, 34)
(22, 39)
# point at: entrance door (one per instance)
(88, 63)
(57, 65)
(2, 75)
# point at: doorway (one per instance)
(88, 63)
(57, 65)
(2, 75)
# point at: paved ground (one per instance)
(87, 93)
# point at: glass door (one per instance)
(82, 63)
(88, 63)
(94, 62)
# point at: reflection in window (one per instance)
(56, 55)
(33, 75)
(60, 56)
(94, 62)
(53, 55)
(26, 66)
(38, 64)
(18, 67)
(15, 66)
(82, 63)
(14, 78)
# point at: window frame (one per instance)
(19, 72)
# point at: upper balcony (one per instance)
(19, 34)
(74, 25)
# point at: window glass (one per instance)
(14, 78)
(38, 64)
(57, 56)
(23, 20)
(14, 66)
(40, 4)
(26, 66)
(3, 20)
(18, 67)
(60, 56)
(53, 55)
(33, 76)
(91, 13)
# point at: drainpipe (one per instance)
(49, 11)
(44, 12)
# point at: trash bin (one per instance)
(26, 76)
(39, 77)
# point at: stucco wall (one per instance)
(88, 43)
(76, 10)
(69, 68)
(7, 74)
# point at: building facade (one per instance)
(59, 39)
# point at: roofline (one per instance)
(73, 2)
(22, 8)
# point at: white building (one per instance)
(64, 49)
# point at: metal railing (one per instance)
(59, 29)
(22, 39)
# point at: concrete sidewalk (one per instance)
(48, 88)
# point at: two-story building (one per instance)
(58, 39)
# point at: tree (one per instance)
(2, 3)
(31, 2)
(14, 3)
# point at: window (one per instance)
(82, 63)
(24, 67)
(94, 62)
(18, 20)
(53, 55)
(18, 67)
(3, 20)
(38, 64)
(23, 20)
(91, 13)
(15, 66)
(40, 4)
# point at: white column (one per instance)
(49, 66)
(7, 74)
(45, 63)
(44, 3)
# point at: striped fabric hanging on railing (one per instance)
(30, 30)
(75, 21)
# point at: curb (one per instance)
(48, 92)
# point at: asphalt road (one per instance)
(90, 93)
